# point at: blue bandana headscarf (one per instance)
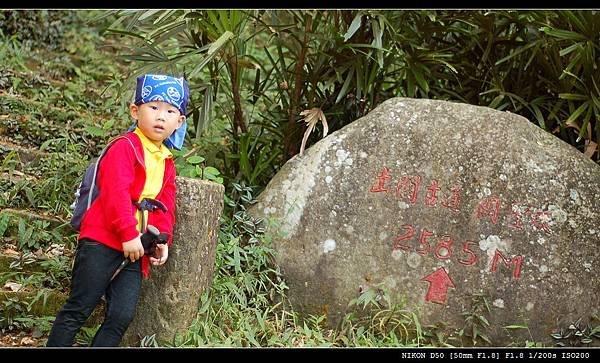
(175, 91)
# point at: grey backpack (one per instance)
(88, 191)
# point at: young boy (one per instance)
(135, 167)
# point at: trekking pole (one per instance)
(147, 239)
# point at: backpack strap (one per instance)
(110, 143)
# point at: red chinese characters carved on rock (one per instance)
(517, 215)
(489, 207)
(408, 187)
(382, 178)
(431, 198)
(453, 201)
(538, 219)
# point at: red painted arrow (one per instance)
(439, 281)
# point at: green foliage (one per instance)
(149, 341)
(13, 313)
(29, 234)
(476, 321)
(11, 53)
(15, 317)
(255, 158)
(57, 272)
(529, 343)
(23, 260)
(39, 275)
(52, 194)
(578, 334)
(245, 284)
(530, 63)
(4, 219)
(376, 319)
(43, 27)
(28, 240)
(194, 166)
(85, 335)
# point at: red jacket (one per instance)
(121, 178)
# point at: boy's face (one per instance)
(157, 120)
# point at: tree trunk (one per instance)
(169, 299)
(291, 144)
(238, 112)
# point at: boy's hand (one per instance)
(133, 249)
(161, 254)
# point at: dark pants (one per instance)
(94, 265)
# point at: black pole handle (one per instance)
(149, 241)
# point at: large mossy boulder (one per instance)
(442, 204)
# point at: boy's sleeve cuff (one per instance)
(128, 232)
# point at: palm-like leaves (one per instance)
(261, 68)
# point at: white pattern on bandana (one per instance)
(146, 91)
(173, 93)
